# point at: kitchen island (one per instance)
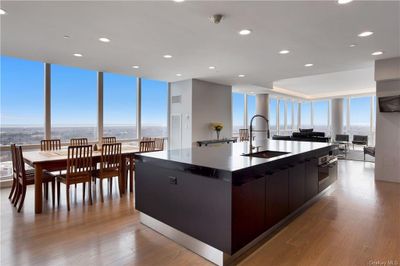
(219, 201)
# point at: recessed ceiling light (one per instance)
(241, 75)
(343, 2)
(167, 56)
(66, 37)
(179, 1)
(103, 39)
(365, 34)
(245, 32)
(308, 65)
(377, 53)
(136, 67)
(179, 75)
(3, 12)
(352, 45)
(284, 51)
(211, 67)
(78, 55)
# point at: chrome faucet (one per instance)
(251, 131)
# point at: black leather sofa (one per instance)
(305, 135)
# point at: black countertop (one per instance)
(228, 157)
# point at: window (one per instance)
(237, 112)
(360, 115)
(154, 108)
(272, 114)
(281, 115)
(22, 105)
(73, 103)
(306, 115)
(251, 106)
(296, 116)
(119, 106)
(289, 105)
(321, 116)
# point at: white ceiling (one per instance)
(141, 32)
(360, 81)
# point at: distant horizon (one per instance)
(77, 125)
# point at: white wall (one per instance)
(211, 103)
(201, 103)
(184, 109)
(387, 157)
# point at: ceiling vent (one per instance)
(176, 99)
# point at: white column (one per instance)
(262, 104)
(47, 101)
(100, 106)
(139, 108)
(169, 114)
(337, 117)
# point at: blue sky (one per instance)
(74, 96)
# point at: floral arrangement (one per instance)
(217, 127)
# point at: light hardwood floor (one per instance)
(357, 222)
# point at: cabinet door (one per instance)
(311, 185)
(296, 186)
(248, 212)
(277, 197)
(196, 205)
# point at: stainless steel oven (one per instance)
(327, 170)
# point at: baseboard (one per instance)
(391, 180)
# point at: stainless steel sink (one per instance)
(265, 154)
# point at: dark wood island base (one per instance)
(218, 203)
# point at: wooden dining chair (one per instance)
(243, 134)
(147, 145)
(159, 144)
(78, 141)
(110, 166)
(50, 144)
(24, 179)
(13, 193)
(79, 170)
(144, 146)
(108, 140)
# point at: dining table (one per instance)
(56, 160)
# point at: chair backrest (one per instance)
(79, 161)
(159, 144)
(110, 156)
(360, 138)
(243, 134)
(146, 138)
(21, 174)
(50, 144)
(78, 141)
(108, 140)
(342, 137)
(14, 160)
(147, 145)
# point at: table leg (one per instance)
(38, 188)
(123, 175)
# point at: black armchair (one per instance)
(360, 140)
(342, 138)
